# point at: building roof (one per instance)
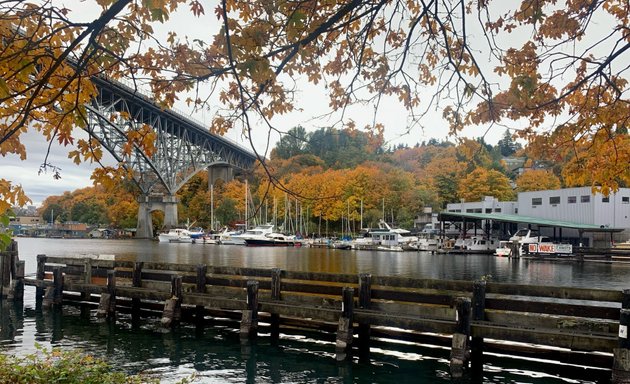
(501, 217)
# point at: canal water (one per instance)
(215, 355)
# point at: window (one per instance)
(606, 199)
(498, 210)
(488, 210)
(625, 200)
(470, 210)
(572, 200)
(585, 199)
(554, 200)
(537, 201)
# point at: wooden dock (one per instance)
(575, 326)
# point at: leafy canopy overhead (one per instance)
(552, 71)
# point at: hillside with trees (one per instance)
(328, 178)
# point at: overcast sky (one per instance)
(311, 103)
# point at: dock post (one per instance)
(202, 270)
(107, 304)
(5, 273)
(276, 289)
(136, 281)
(478, 314)
(515, 250)
(459, 349)
(249, 320)
(365, 302)
(343, 344)
(16, 293)
(87, 277)
(54, 294)
(41, 273)
(173, 306)
(621, 355)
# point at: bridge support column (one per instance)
(220, 171)
(148, 204)
(144, 230)
(169, 204)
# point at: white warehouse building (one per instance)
(574, 205)
(578, 205)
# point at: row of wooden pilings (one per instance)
(52, 296)
(466, 348)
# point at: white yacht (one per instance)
(258, 232)
(175, 235)
(384, 237)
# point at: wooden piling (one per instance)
(515, 250)
(87, 277)
(54, 295)
(276, 289)
(365, 302)
(16, 293)
(136, 281)
(343, 344)
(172, 313)
(41, 265)
(621, 355)
(107, 304)
(249, 320)
(200, 280)
(478, 314)
(459, 349)
(5, 274)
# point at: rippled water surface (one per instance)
(214, 354)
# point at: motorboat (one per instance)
(258, 232)
(390, 248)
(385, 236)
(175, 235)
(428, 244)
(476, 244)
(271, 240)
(504, 249)
(196, 233)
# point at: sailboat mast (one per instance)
(361, 227)
(246, 204)
(212, 207)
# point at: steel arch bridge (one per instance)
(183, 147)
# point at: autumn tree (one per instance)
(537, 180)
(482, 182)
(516, 71)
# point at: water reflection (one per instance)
(406, 264)
(216, 354)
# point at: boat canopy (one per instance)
(502, 217)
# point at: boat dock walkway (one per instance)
(474, 320)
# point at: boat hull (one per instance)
(268, 243)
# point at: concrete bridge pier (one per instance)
(220, 171)
(150, 203)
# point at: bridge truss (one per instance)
(182, 147)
